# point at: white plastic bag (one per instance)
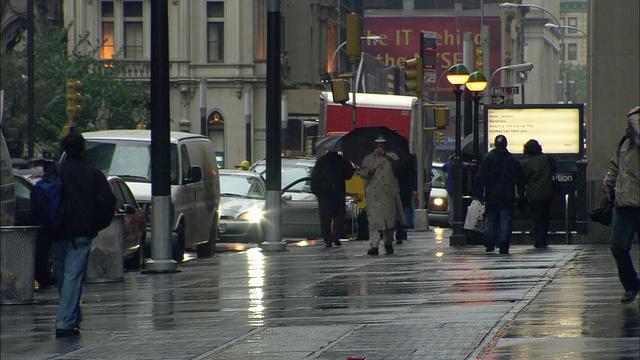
(475, 217)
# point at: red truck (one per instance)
(393, 111)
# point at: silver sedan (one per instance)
(242, 207)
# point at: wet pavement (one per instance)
(426, 301)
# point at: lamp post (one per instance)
(333, 57)
(476, 84)
(565, 80)
(523, 68)
(556, 26)
(457, 76)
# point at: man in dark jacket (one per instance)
(327, 183)
(539, 170)
(85, 194)
(408, 182)
(498, 177)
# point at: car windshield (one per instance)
(129, 160)
(438, 178)
(289, 174)
(241, 186)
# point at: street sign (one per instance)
(497, 99)
(506, 90)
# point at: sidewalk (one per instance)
(426, 301)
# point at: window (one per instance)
(563, 21)
(215, 31)
(573, 22)
(573, 52)
(261, 30)
(132, 29)
(108, 48)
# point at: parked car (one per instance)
(242, 202)
(193, 175)
(135, 222)
(438, 204)
(126, 204)
(292, 169)
(296, 184)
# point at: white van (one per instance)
(7, 187)
(195, 183)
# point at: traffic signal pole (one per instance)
(354, 50)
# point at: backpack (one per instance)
(46, 199)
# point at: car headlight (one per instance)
(253, 215)
(438, 204)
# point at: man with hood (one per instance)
(623, 177)
(499, 176)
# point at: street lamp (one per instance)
(371, 38)
(523, 68)
(556, 26)
(457, 76)
(565, 80)
(476, 84)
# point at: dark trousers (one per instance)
(498, 223)
(332, 209)
(541, 211)
(626, 224)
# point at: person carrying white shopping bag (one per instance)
(475, 216)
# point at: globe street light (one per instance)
(476, 84)
(565, 80)
(457, 76)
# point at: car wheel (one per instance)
(178, 250)
(208, 249)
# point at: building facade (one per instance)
(218, 66)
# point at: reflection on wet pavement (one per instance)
(426, 301)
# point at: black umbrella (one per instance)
(360, 142)
(326, 144)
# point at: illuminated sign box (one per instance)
(557, 127)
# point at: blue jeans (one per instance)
(409, 216)
(70, 257)
(626, 223)
(497, 227)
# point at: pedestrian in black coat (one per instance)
(328, 184)
(499, 176)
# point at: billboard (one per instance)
(558, 128)
(400, 40)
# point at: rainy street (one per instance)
(426, 301)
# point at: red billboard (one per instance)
(400, 40)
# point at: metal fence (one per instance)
(17, 264)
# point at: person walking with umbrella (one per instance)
(327, 183)
(382, 194)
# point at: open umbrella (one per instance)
(360, 142)
(326, 144)
(466, 147)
